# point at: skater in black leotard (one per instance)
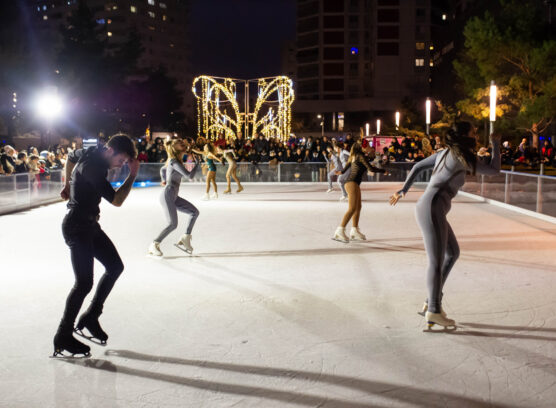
(359, 165)
(449, 168)
(85, 186)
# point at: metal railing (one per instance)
(528, 191)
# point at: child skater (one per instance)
(209, 152)
(230, 157)
(359, 165)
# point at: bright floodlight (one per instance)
(367, 126)
(378, 126)
(49, 105)
(428, 107)
(397, 119)
(493, 92)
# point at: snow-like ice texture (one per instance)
(271, 312)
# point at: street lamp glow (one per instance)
(397, 119)
(378, 126)
(428, 115)
(367, 128)
(319, 116)
(49, 105)
(493, 94)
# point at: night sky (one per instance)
(240, 38)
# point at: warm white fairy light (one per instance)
(214, 95)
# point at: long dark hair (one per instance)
(462, 145)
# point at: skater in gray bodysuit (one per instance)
(171, 202)
(449, 169)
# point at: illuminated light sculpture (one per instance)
(218, 109)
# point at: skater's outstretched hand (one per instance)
(65, 193)
(162, 183)
(395, 198)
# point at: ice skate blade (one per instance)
(182, 249)
(358, 240)
(91, 338)
(59, 354)
(339, 240)
(153, 256)
(441, 329)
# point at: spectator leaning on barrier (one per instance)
(21, 163)
(7, 161)
(547, 153)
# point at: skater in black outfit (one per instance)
(85, 186)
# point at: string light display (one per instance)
(218, 109)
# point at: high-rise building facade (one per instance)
(360, 58)
(160, 24)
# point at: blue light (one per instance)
(143, 184)
(101, 21)
(118, 184)
(354, 50)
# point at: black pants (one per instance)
(87, 241)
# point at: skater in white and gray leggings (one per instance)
(171, 202)
(449, 169)
(344, 158)
(334, 159)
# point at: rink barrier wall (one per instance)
(19, 192)
(535, 194)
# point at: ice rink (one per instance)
(270, 312)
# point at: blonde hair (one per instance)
(173, 153)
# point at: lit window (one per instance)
(164, 17)
(45, 17)
(38, 8)
(101, 21)
(171, 45)
(420, 46)
(162, 5)
(133, 9)
(151, 2)
(108, 21)
(114, 7)
(44, 7)
(431, 64)
(431, 47)
(444, 17)
(109, 34)
(354, 51)
(151, 14)
(152, 29)
(419, 62)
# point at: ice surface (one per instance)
(270, 312)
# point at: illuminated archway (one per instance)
(218, 109)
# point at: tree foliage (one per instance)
(515, 49)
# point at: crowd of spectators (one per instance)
(405, 149)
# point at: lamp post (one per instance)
(367, 128)
(397, 120)
(493, 94)
(428, 115)
(319, 116)
(378, 127)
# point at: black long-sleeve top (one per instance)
(359, 167)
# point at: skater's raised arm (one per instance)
(423, 165)
(493, 167)
(123, 191)
(72, 160)
(370, 167)
(180, 168)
